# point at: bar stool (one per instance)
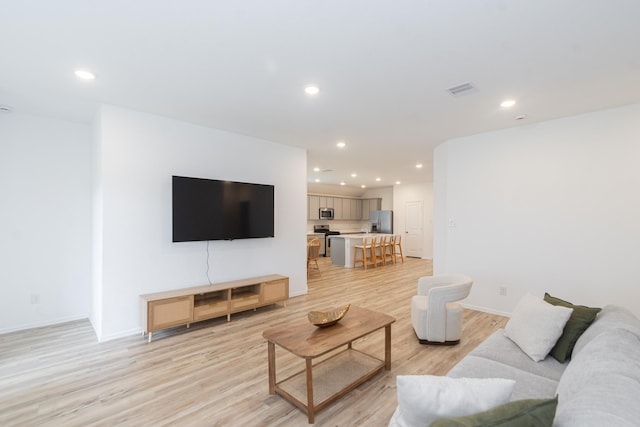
(367, 252)
(378, 250)
(397, 247)
(387, 249)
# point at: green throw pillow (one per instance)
(520, 413)
(579, 321)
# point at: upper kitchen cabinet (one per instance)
(343, 208)
(314, 207)
(326, 202)
(352, 209)
(369, 205)
(356, 209)
(337, 208)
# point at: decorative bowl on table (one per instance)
(322, 319)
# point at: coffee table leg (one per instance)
(271, 351)
(310, 406)
(387, 347)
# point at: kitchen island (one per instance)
(342, 247)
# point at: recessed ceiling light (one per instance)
(378, 179)
(312, 90)
(341, 144)
(5, 109)
(316, 169)
(353, 175)
(419, 165)
(508, 103)
(397, 182)
(520, 117)
(342, 183)
(85, 75)
(363, 186)
(317, 179)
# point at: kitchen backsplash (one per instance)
(341, 225)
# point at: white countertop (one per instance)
(357, 236)
(353, 231)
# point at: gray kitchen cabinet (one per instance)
(366, 209)
(337, 208)
(343, 208)
(326, 202)
(346, 209)
(314, 207)
(369, 205)
(356, 209)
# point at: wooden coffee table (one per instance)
(318, 385)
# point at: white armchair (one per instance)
(436, 317)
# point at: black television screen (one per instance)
(208, 209)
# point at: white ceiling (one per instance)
(383, 68)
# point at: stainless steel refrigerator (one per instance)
(382, 222)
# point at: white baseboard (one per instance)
(43, 323)
(297, 294)
(486, 310)
(121, 334)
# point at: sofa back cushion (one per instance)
(611, 317)
(601, 384)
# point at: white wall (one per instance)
(45, 218)
(97, 227)
(415, 193)
(138, 154)
(553, 206)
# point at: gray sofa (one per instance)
(599, 386)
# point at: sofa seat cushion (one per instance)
(501, 349)
(527, 386)
(601, 385)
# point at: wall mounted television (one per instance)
(209, 209)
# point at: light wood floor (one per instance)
(215, 374)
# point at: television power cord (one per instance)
(208, 278)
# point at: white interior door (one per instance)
(413, 221)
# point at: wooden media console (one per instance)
(162, 310)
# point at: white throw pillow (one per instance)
(423, 399)
(536, 325)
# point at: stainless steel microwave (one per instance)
(326, 213)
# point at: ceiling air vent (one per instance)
(462, 89)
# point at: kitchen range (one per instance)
(325, 247)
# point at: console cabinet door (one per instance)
(274, 291)
(170, 312)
